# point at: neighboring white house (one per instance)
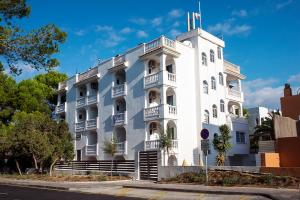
(183, 85)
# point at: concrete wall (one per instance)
(285, 127)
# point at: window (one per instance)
(151, 66)
(219, 53)
(222, 106)
(94, 86)
(78, 136)
(213, 83)
(205, 87)
(152, 96)
(152, 127)
(240, 137)
(170, 100)
(169, 68)
(80, 116)
(204, 59)
(212, 56)
(80, 93)
(206, 116)
(221, 79)
(215, 111)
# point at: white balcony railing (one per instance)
(80, 126)
(119, 60)
(121, 147)
(164, 77)
(91, 124)
(61, 108)
(92, 99)
(152, 112)
(119, 90)
(161, 111)
(119, 119)
(91, 150)
(90, 73)
(80, 102)
(234, 93)
(154, 144)
(160, 42)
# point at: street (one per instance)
(31, 193)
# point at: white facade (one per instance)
(157, 86)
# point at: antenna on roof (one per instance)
(200, 17)
(191, 20)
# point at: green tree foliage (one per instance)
(222, 144)
(165, 142)
(110, 148)
(37, 136)
(8, 99)
(33, 48)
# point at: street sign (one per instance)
(205, 145)
(204, 133)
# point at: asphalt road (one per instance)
(29, 193)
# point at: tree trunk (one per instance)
(51, 166)
(35, 163)
(18, 167)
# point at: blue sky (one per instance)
(262, 36)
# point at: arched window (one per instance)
(212, 56)
(213, 83)
(215, 111)
(221, 79)
(219, 53)
(204, 59)
(152, 96)
(151, 66)
(152, 128)
(222, 106)
(206, 116)
(205, 87)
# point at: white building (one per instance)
(182, 85)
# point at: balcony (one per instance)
(80, 102)
(62, 86)
(118, 63)
(161, 45)
(234, 95)
(91, 124)
(60, 108)
(119, 90)
(161, 111)
(92, 99)
(159, 78)
(233, 70)
(89, 75)
(91, 150)
(119, 119)
(154, 145)
(121, 148)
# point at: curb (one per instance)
(269, 196)
(36, 186)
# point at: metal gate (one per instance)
(148, 165)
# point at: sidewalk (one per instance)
(99, 187)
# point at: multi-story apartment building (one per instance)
(181, 85)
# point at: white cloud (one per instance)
(126, 30)
(240, 13)
(261, 92)
(80, 32)
(112, 40)
(175, 13)
(138, 20)
(228, 28)
(294, 78)
(141, 34)
(174, 33)
(156, 21)
(100, 28)
(176, 24)
(283, 4)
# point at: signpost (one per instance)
(205, 148)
